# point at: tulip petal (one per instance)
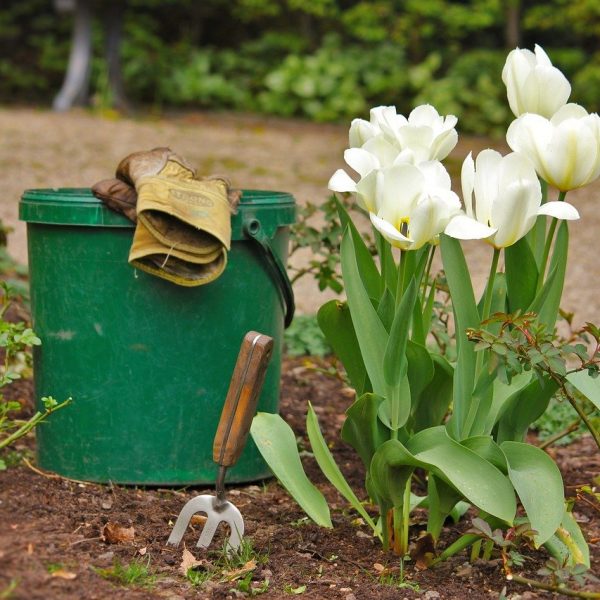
(341, 182)
(362, 161)
(428, 220)
(402, 188)
(382, 149)
(559, 210)
(487, 165)
(467, 180)
(390, 232)
(515, 211)
(369, 191)
(463, 227)
(360, 132)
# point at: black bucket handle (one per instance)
(253, 230)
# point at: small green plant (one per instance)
(16, 340)
(7, 592)
(137, 573)
(238, 566)
(288, 588)
(304, 337)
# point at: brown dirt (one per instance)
(52, 525)
(45, 149)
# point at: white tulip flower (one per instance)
(502, 198)
(533, 85)
(565, 149)
(414, 204)
(424, 136)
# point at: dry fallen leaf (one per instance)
(237, 573)
(62, 574)
(113, 533)
(198, 520)
(423, 552)
(142, 551)
(189, 561)
(383, 571)
(30, 548)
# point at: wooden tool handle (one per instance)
(240, 405)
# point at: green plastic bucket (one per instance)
(146, 362)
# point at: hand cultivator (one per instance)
(232, 432)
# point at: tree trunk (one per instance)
(75, 86)
(512, 31)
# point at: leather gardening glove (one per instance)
(117, 195)
(183, 231)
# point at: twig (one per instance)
(52, 475)
(553, 588)
(559, 435)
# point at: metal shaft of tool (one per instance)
(220, 499)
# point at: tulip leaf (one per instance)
(523, 408)
(387, 309)
(531, 470)
(395, 362)
(390, 470)
(276, 442)
(370, 332)
(441, 500)
(568, 545)
(335, 322)
(478, 480)
(501, 394)
(329, 467)
(521, 275)
(485, 446)
(466, 315)
(548, 312)
(420, 369)
(587, 385)
(431, 405)
(370, 276)
(362, 429)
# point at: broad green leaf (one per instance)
(479, 481)
(420, 368)
(336, 324)
(400, 397)
(362, 429)
(568, 545)
(370, 276)
(431, 405)
(466, 315)
(370, 332)
(538, 483)
(390, 470)
(523, 408)
(521, 275)
(387, 309)
(276, 442)
(501, 394)
(588, 386)
(485, 446)
(329, 467)
(442, 498)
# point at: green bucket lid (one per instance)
(78, 206)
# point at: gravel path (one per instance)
(44, 149)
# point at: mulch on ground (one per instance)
(55, 543)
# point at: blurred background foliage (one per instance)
(326, 60)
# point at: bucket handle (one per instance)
(253, 230)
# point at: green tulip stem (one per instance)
(402, 522)
(401, 275)
(548, 245)
(428, 273)
(487, 302)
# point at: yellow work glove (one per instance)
(183, 228)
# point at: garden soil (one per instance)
(61, 539)
(57, 535)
